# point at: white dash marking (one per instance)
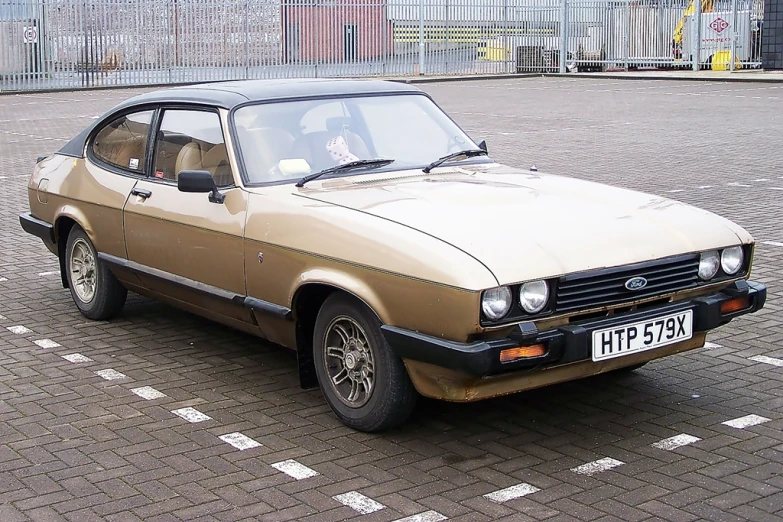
(675, 191)
(19, 330)
(711, 346)
(427, 516)
(358, 502)
(767, 360)
(770, 188)
(704, 186)
(510, 493)
(675, 442)
(761, 179)
(597, 466)
(746, 421)
(3, 279)
(76, 358)
(191, 415)
(736, 184)
(44, 274)
(47, 343)
(239, 441)
(148, 392)
(294, 469)
(111, 374)
(773, 243)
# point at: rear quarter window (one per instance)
(122, 143)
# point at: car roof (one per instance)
(229, 94)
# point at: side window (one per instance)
(191, 140)
(123, 142)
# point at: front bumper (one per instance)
(566, 344)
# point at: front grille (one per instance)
(606, 287)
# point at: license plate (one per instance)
(644, 335)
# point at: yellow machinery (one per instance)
(706, 7)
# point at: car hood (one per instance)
(527, 225)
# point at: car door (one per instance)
(185, 247)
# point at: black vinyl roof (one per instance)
(229, 94)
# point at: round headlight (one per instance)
(731, 260)
(495, 303)
(533, 296)
(708, 265)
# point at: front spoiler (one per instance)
(566, 344)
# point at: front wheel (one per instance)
(95, 290)
(364, 382)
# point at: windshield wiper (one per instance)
(379, 162)
(469, 153)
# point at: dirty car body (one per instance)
(310, 213)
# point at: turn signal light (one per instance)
(734, 305)
(521, 352)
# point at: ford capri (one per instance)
(354, 222)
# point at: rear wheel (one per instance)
(94, 289)
(363, 381)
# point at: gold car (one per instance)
(356, 223)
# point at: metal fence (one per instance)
(81, 43)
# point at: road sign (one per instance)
(30, 34)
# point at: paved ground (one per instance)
(693, 437)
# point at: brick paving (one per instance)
(86, 424)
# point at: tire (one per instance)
(341, 322)
(105, 297)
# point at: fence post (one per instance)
(734, 34)
(563, 36)
(696, 34)
(421, 37)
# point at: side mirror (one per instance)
(199, 181)
(483, 145)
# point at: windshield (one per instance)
(289, 140)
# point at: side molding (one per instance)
(252, 303)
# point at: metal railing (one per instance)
(80, 43)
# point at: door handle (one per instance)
(141, 192)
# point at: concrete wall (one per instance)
(772, 39)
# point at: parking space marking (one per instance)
(44, 274)
(510, 493)
(19, 330)
(3, 279)
(358, 502)
(110, 374)
(711, 346)
(427, 516)
(191, 415)
(683, 439)
(76, 358)
(767, 360)
(239, 441)
(47, 343)
(746, 421)
(148, 393)
(294, 469)
(597, 466)
(772, 243)
(675, 191)
(737, 184)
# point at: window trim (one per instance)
(116, 169)
(174, 106)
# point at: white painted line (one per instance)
(770, 188)
(191, 415)
(772, 243)
(735, 184)
(358, 502)
(761, 179)
(705, 186)
(597, 466)
(767, 360)
(746, 421)
(427, 516)
(47, 343)
(676, 190)
(3, 279)
(19, 330)
(675, 442)
(76, 358)
(44, 274)
(239, 441)
(711, 346)
(110, 374)
(148, 392)
(510, 493)
(294, 469)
